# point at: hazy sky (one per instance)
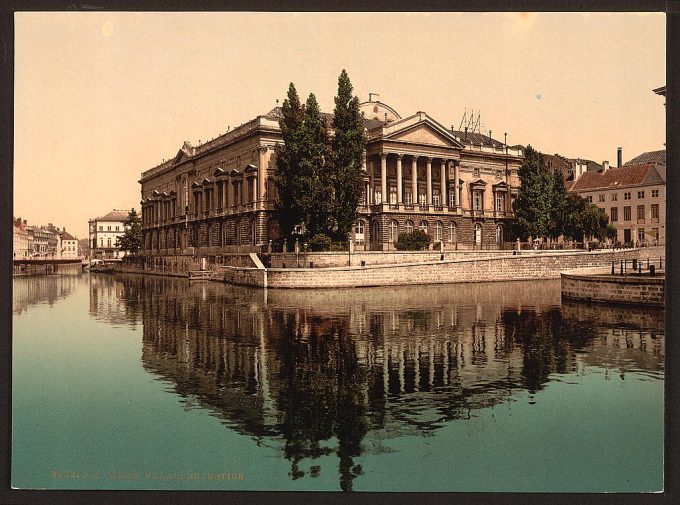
(101, 97)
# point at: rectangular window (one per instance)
(409, 199)
(641, 235)
(108, 228)
(500, 202)
(422, 198)
(626, 213)
(655, 193)
(600, 198)
(614, 214)
(589, 199)
(393, 195)
(655, 211)
(477, 200)
(117, 228)
(641, 212)
(614, 197)
(626, 196)
(452, 199)
(641, 194)
(101, 228)
(435, 199)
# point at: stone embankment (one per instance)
(394, 268)
(598, 285)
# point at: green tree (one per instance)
(558, 194)
(534, 204)
(288, 155)
(572, 213)
(131, 240)
(315, 171)
(348, 153)
(594, 222)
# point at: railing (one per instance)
(648, 266)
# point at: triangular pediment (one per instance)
(421, 129)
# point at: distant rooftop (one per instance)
(656, 157)
(627, 175)
(114, 215)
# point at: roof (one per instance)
(471, 138)
(369, 124)
(67, 236)
(656, 157)
(114, 215)
(630, 175)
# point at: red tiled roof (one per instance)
(67, 236)
(627, 175)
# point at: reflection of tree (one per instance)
(321, 396)
(339, 378)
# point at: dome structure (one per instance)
(375, 109)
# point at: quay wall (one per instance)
(599, 286)
(503, 268)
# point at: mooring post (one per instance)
(612, 268)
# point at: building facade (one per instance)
(220, 196)
(22, 240)
(104, 232)
(69, 246)
(634, 198)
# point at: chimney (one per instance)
(466, 128)
(619, 156)
(605, 166)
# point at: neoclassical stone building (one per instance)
(220, 196)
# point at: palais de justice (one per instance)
(220, 196)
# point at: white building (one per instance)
(69, 246)
(104, 232)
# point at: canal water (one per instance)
(132, 382)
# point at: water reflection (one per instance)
(341, 372)
(35, 289)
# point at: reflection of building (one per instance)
(634, 198)
(220, 195)
(336, 372)
(34, 289)
(104, 233)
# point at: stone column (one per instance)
(429, 181)
(255, 193)
(400, 196)
(371, 193)
(414, 179)
(442, 183)
(383, 176)
(456, 185)
(262, 175)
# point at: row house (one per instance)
(220, 196)
(22, 239)
(634, 198)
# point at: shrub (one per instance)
(320, 242)
(417, 240)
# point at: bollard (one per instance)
(634, 265)
(612, 268)
(621, 268)
(441, 257)
(652, 269)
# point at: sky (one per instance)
(101, 97)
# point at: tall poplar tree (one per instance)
(288, 156)
(348, 153)
(534, 204)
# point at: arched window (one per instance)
(478, 234)
(394, 231)
(423, 226)
(438, 227)
(453, 232)
(375, 232)
(409, 226)
(499, 234)
(359, 229)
